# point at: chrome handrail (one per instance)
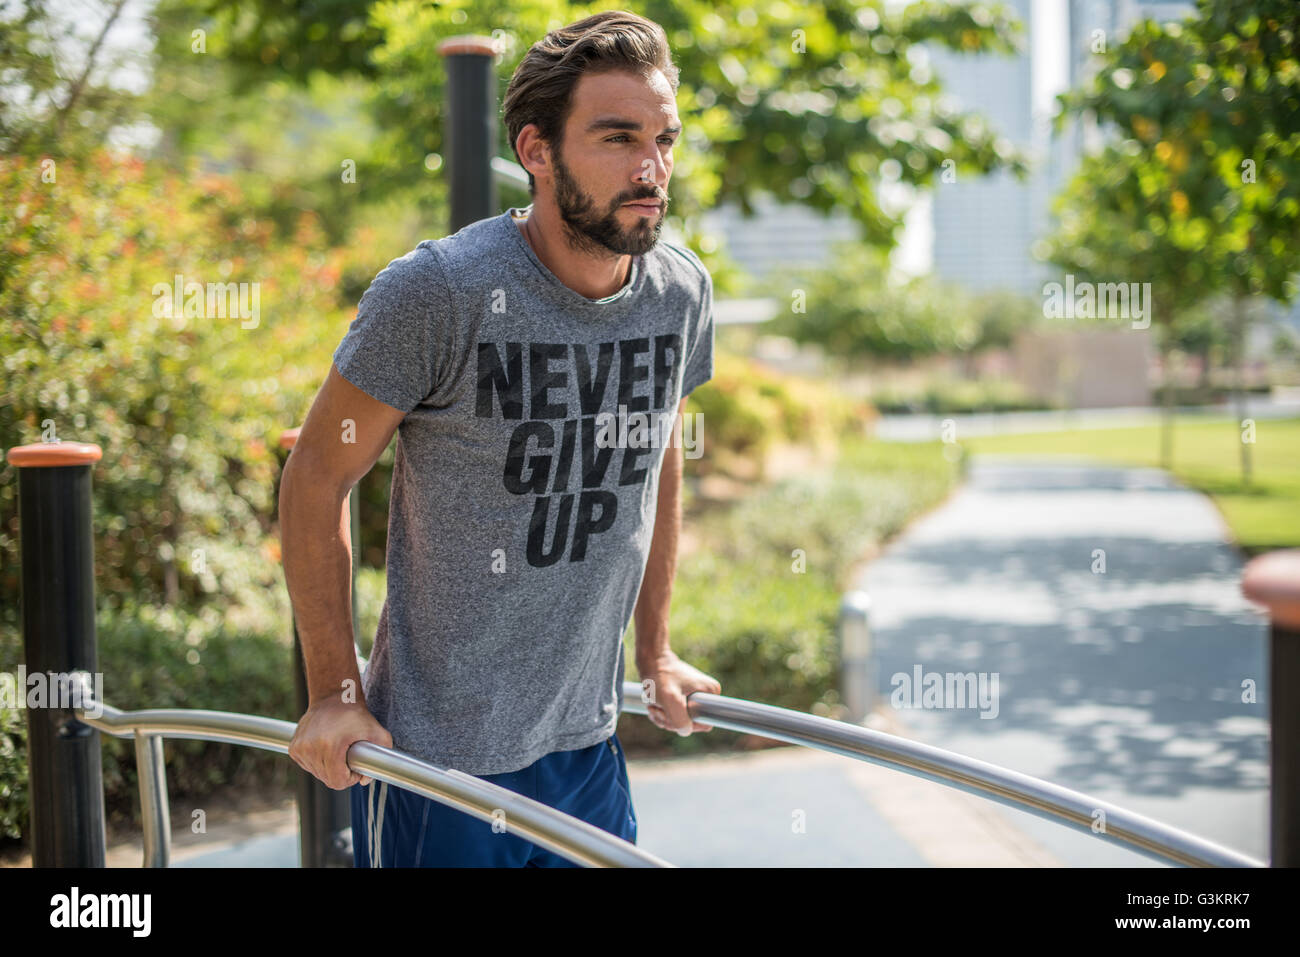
(571, 838)
(578, 841)
(1012, 788)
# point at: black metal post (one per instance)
(1273, 580)
(1284, 653)
(58, 615)
(324, 815)
(471, 128)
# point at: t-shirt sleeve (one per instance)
(699, 363)
(402, 338)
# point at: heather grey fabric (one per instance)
(521, 513)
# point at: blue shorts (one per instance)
(394, 827)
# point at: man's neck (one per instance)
(589, 273)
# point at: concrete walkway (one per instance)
(1125, 683)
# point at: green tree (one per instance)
(1207, 115)
(1118, 222)
(857, 308)
(1199, 333)
(57, 94)
(187, 403)
(805, 103)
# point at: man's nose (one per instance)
(653, 170)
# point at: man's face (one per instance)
(617, 148)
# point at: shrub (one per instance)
(185, 408)
(159, 657)
(746, 409)
(952, 397)
(13, 774)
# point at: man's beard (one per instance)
(595, 234)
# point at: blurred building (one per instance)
(978, 231)
(1087, 367)
(985, 228)
(778, 235)
(983, 225)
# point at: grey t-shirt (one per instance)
(523, 498)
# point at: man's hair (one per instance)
(541, 90)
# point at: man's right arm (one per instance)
(345, 432)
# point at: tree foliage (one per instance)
(1199, 190)
(856, 308)
(187, 408)
(60, 88)
(807, 103)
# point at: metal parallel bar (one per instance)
(1020, 791)
(509, 173)
(578, 841)
(544, 826)
(154, 808)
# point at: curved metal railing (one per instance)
(585, 844)
(571, 838)
(1021, 791)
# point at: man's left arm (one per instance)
(673, 679)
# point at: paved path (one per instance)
(794, 807)
(1125, 684)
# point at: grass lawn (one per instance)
(1207, 456)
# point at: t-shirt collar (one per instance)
(633, 274)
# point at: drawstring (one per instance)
(375, 823)
(370, 823)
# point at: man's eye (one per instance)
(622, 136)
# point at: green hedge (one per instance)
(153, 657)
(992, 395)
(187, 409)
(1205, 395)
(13, 775)
(958, 396)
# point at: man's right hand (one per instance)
(324, 734)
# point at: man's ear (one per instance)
(534, 152)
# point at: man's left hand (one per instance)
(673, 680)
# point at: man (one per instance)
(532, 513)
